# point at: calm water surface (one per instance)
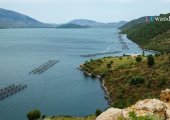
(62, 89)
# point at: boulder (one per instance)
(110, 114)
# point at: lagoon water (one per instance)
(62, 89)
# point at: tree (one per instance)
(109, 66)
(143, 53)
(138, 59)
(98, 112)
(33, 115)
(150, 61)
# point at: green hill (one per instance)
(134, 23)
(149, 35)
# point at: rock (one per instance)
(159, 108)
(165, 95)
(147, 107)
(110, 114)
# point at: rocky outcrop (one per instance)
(159, 108)
(165, 96)
(147, 107)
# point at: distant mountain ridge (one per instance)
(85, 22)
(11, 19)
(92, 23)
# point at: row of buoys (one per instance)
(122, 42)
(42, 68)
(102, 53)
(10, 90)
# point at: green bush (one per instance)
(133, 116)
(138, 59)
(119, 104)
(109, 66)
(98, 112)
(136, 80)
(33, 115)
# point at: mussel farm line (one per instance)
(122, 42)
(102, 53)
(10, 90)
(42, 68)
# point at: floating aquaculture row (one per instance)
(42, 68)
(10, 90)
(122, 42)
(102, 53)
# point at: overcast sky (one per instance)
(60, 11)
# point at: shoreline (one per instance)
(102, 81)
(140, 46)
(147, 50)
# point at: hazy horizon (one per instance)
(61, 11)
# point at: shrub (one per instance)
(44, 116)
(111, 62)
(136, 80)
(35, 114)
(138, 59)
(98, 112)
(157, 55)
(121, 104)
(151, 61)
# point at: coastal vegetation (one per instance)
(71, 118)
(36, 115)
(128, 81)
